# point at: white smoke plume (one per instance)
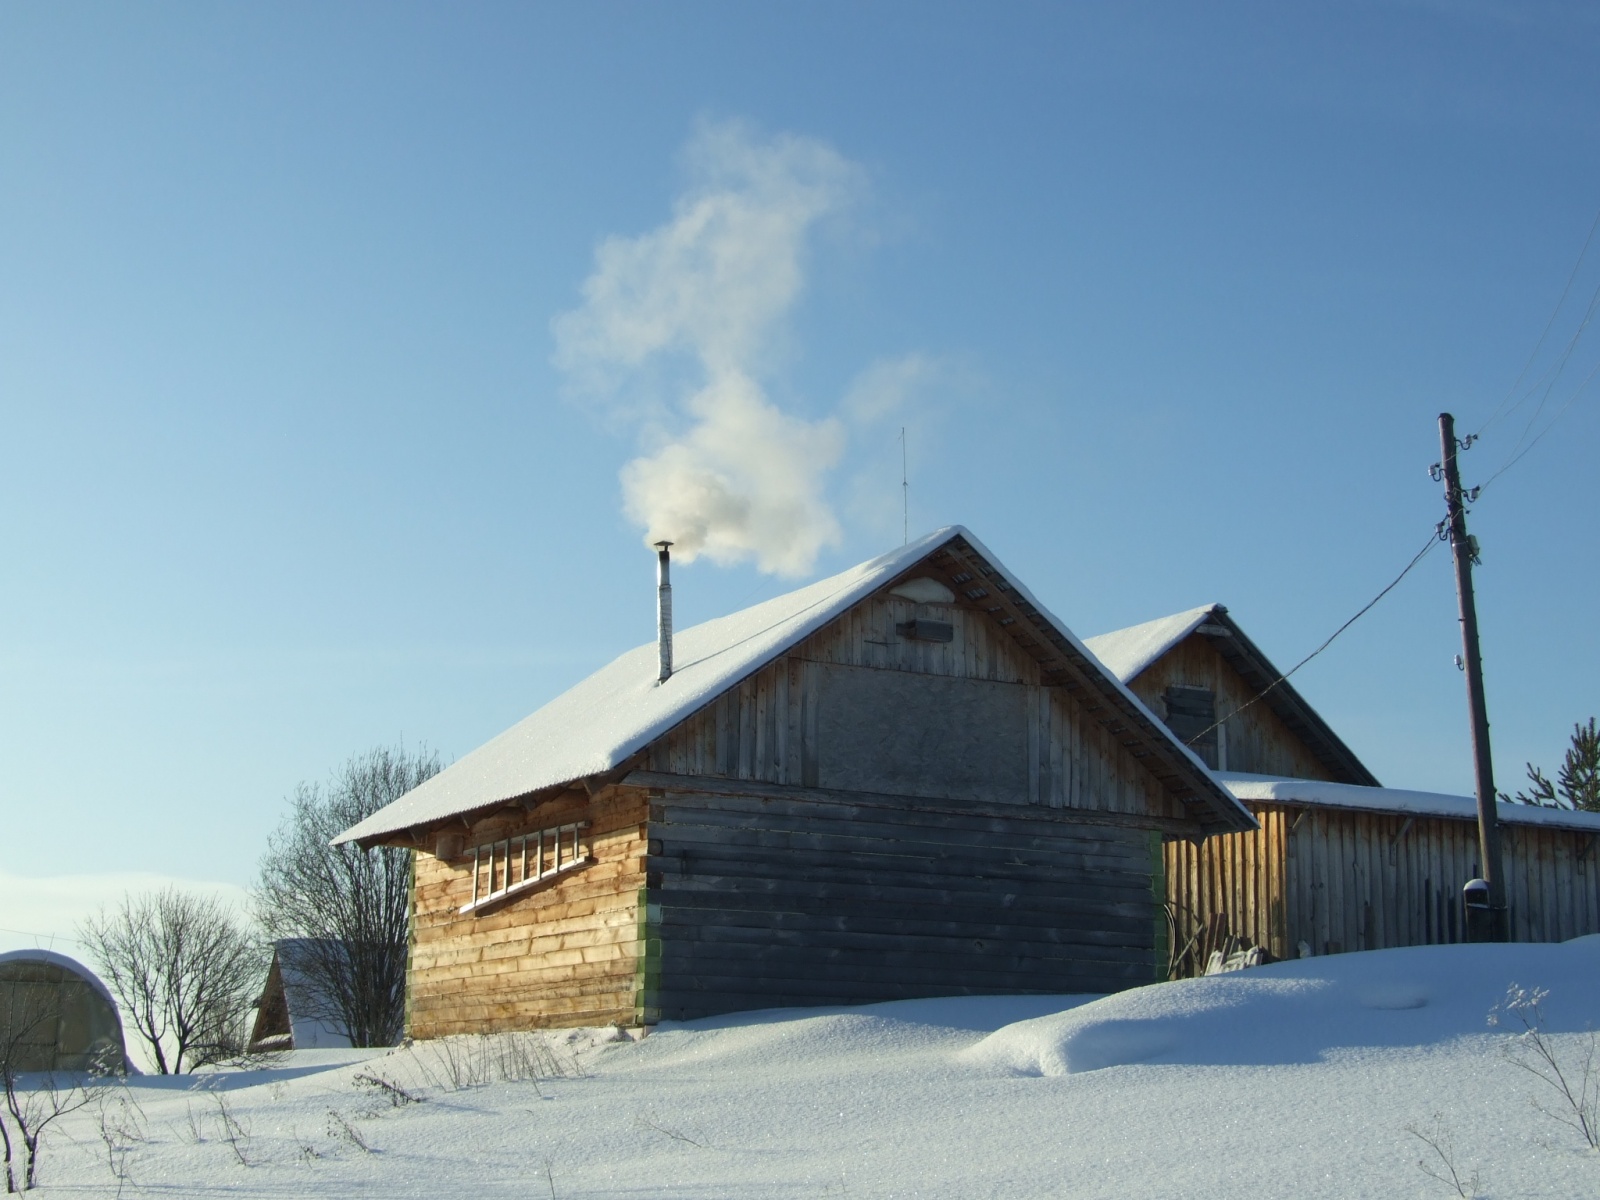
(725, 472)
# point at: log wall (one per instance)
(803, 898)
(1342, 879)
(566, 953)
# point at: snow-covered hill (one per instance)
(1298, 1079)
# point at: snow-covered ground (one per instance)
(1298, 1079)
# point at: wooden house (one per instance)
(1336, 862)
(907, 780)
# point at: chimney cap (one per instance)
(662, 544)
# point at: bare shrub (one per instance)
(234, 1132)
(122, 1126)
(398, 1096)
(464, 1061)
(649, 1120)
(1573, 1083)
(1440, 1161)
(341, 1130)
(197, 1133)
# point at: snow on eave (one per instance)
(598, 724)
(1277, 789)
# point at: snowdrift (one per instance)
(1296, 1012)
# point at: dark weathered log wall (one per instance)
(796, 897)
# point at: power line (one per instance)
(49, 937)
(1433, 540)
(1501, 410)
(1556, 372)
(1518, 456)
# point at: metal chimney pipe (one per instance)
(664, 608)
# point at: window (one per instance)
(512, 865)
(1192, 715)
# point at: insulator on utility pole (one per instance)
(1464, 549)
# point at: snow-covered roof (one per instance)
(1282, 790)
(597, 725)
(312, 1011)
(1128, 653)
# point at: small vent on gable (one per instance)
(924, 590)
(926, 631)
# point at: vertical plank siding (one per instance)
(1341, 879)
(764, 729)
(1257, 740)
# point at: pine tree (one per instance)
(1577, 782)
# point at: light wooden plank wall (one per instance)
(1258, 740)
(563, 954)
(1341, 880)
(765, 728)
(1239, 874)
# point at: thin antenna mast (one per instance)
(905, 493)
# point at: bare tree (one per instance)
(351, 905)
(185, 970)
(37, 1092)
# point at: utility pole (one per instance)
(1465, 551)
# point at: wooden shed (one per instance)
(294, 1011)
(1339, 867)
(1336, 862)
(907, 780)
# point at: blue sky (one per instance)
(1168, 298)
